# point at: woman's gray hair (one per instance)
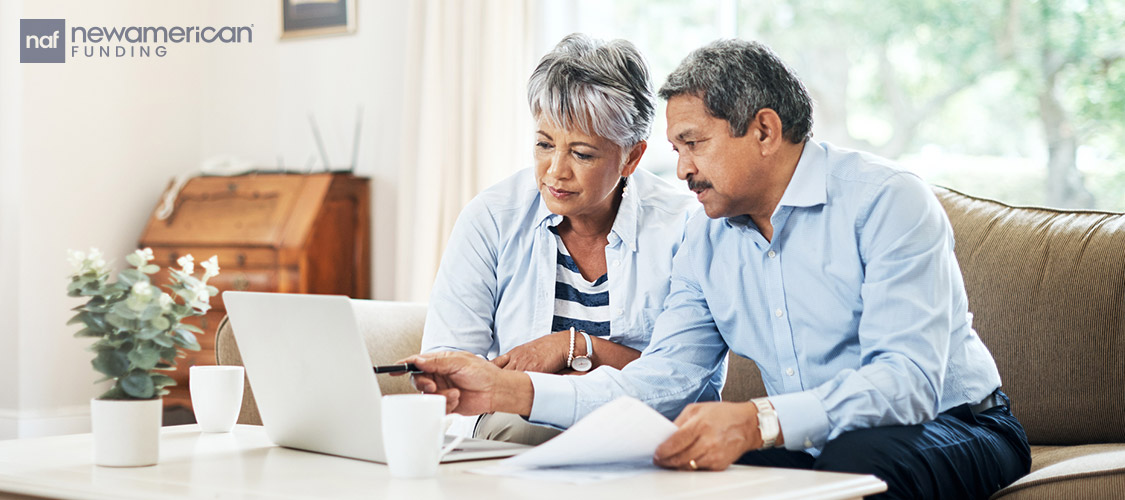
(601, 88)
(736, 79)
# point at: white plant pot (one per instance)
(126, 432)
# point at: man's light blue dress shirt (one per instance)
(855, 312)
(495, 288)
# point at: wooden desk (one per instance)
(244, 464)
(289, 233)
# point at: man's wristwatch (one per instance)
(584, 363)
(767, 422)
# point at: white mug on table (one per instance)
(216, 396)
(413, 432)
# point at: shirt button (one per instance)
(790, 372)
(778, 313)
(772, 254)
(616, 263)
(808, 443)
(620, 311)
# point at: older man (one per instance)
(833, 270)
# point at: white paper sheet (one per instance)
(613, 441)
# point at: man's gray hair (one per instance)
(600, 88)
(736, 79)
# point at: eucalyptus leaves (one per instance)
(138, 326)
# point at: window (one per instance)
(1021, 101)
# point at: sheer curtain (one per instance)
(466, 121)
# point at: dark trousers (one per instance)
(959, 454)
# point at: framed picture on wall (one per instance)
(317, 17)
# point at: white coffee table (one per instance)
(245, 464)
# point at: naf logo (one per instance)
(42, 40)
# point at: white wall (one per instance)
(87, 146)
(11, 84)
(100, 138)
(259, 99)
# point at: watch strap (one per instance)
(589, 346)
(768, 425)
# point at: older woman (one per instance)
(564, 267)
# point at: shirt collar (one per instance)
(807, 188)
(543, 215)
(809, 185)
(624, 224)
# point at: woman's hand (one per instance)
(546, 354)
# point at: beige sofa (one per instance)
(1047, 289)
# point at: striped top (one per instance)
(579, 303)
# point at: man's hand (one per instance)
(471, 385)
(714, 435)
(546, 354)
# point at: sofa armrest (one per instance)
(390, 330)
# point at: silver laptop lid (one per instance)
(309, 371)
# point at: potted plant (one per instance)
(140, 332)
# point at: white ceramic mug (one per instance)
(413, 431)
(216, 396)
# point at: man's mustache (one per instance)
(695, 185)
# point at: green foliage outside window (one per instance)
(1019, 100)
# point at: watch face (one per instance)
(582, 364)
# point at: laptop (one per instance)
(319, 396)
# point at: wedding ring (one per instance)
(691, 463)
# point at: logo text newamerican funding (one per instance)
(147, 41)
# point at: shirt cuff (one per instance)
(554, 400)
(804, 423)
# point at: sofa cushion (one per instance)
(744, 380)
(390, 330)
(1085, 471)
(1047, 290)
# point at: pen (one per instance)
(405, 367)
